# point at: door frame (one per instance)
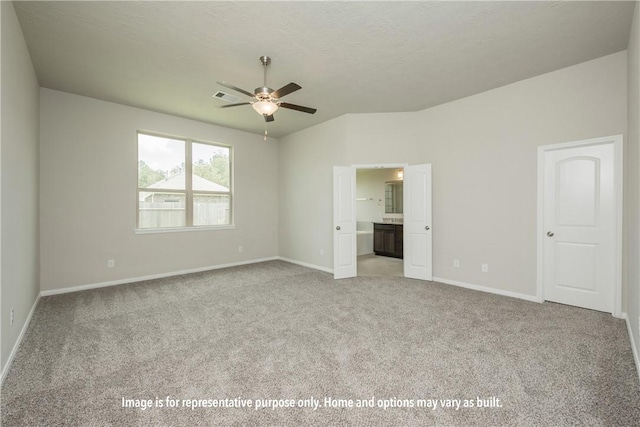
(618, 165)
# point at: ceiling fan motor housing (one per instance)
(263, 93)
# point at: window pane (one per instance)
(161, 210)
(210, 167)
(160, 162)
(211, 209)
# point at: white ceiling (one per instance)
(349, 57)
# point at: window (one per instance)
(182, 183)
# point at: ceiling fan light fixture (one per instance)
(265, 107)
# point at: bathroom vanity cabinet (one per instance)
(387, 239)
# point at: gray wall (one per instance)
(483, 150)
(19, 286)
(88, 196)
(305, 192)
(632, 182)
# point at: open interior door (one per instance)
(418, 263)
(344, 223)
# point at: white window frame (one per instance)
(188, 191)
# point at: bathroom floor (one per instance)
(380, 266)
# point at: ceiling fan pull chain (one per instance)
(265, 131)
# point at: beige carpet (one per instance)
(372, 265)
(280, 331)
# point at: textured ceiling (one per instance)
(349, 57)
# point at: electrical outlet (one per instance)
(485, 268)
(11, 317)
(456, 263)
(111, 263)
(240, 249)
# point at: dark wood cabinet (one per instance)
(399, 241)
(388, 239)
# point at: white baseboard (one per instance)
(306, 264)
(525, 297)
(7, 366)
(634, 349)
(150, 277)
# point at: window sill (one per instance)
(182, 229)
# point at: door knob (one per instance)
(338, 228)
(550, 233)
(426, 228)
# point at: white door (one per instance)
(417, 222)
(579, 226)
(344, 223)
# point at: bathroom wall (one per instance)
(370, 186)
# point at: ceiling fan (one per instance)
(267, 100)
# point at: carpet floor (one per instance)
(372, 351)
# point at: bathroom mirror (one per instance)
(393, 197)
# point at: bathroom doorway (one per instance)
(417, 241)
(379, 221)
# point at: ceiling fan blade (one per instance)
(235, 105)
(268, 118)
(236, 89)
(297, 107)
(286, 90)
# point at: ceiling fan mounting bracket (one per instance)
(265, 60)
